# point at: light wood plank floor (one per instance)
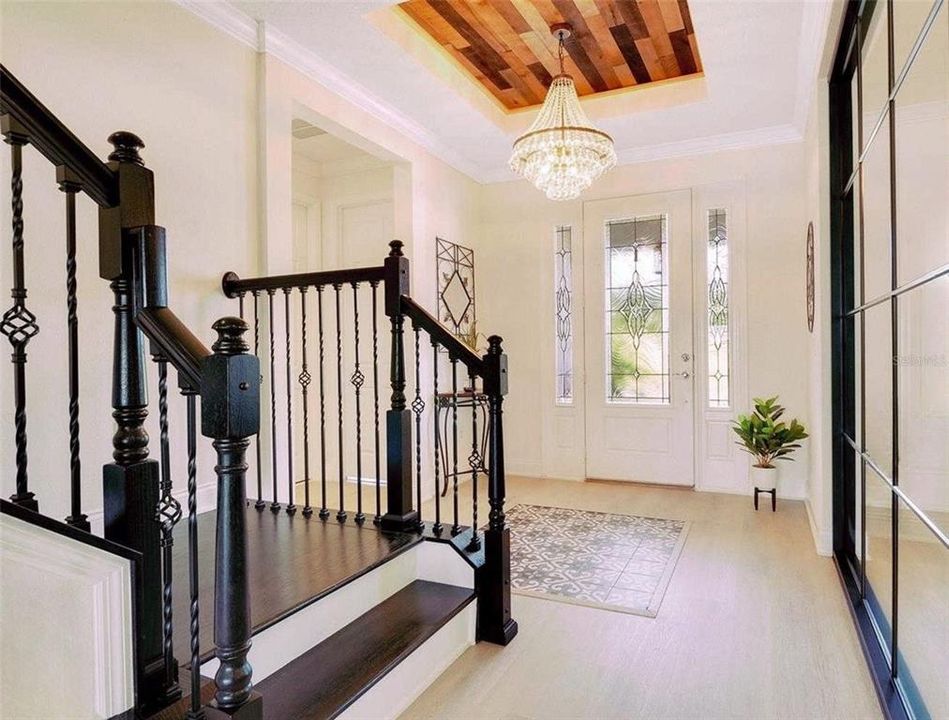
(753, 625)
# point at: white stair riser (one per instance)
(389, 697)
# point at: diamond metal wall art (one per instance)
(456, 289)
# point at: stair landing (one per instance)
(293, 561)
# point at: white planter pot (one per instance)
(764, 478)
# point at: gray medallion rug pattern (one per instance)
(616, 562)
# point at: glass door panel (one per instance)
(923, 616)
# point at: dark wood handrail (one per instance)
(234, 285)
(175, 342)
(442, 335)
(55, 141)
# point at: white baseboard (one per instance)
(525, 469)
(206, 496)
(823, 541)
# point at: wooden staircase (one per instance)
(297, 610)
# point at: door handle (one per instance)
(685, 374)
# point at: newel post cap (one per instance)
(126, 145)
(230, 336)
(494, 345)
(395, 248)
(230, 384)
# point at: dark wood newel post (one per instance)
(493, 579)
(399, 514)
(230, 415)
(131, 481)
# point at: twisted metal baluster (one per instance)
(260, 504)
(324, 511)
(304, 380)
(375, 400)
(76, 517)
(291, 508)
(19, 325)
(437, 527)
(357, 380)
(167, 514)
(418, 407)
(454, 445)
(341, 513)
(274, 505)
(194, 712)
(474, 461)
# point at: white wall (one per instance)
(189, 92)
(515, 270)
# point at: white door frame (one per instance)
(718, 464)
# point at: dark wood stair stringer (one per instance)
(331, 676)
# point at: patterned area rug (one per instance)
(616, 562)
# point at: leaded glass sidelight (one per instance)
(717, 264)
(637, 301)
(563, 308)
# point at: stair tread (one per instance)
(293, 561)
(328, 678)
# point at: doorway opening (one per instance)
(343, 201)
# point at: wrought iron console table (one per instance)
(445, 404)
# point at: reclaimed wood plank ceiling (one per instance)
(507, 47)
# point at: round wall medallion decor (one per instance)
(810, 277)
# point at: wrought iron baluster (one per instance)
(454, 445)
(474, 461)
(167, 514)
(274, 505)
(240, 304)
(375, 399)
(260, 504)
(194, 712)
(304, 380)
(357, 380)
(324, 511)
(19, 325)
(437, 527)
(341, 513)
(76, 517)
(418, 407)
(291, 507)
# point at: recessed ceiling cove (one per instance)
(507, 47)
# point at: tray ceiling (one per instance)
(506, 45)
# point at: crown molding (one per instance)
(760, 137)
(241, 26)
(308, 63)
(229, 19)
(225, 17)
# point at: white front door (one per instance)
(638, 338)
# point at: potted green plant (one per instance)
(767, 438)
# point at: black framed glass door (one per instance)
(889, 122)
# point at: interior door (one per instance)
(638, 338)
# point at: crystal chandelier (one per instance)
(562, 153)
